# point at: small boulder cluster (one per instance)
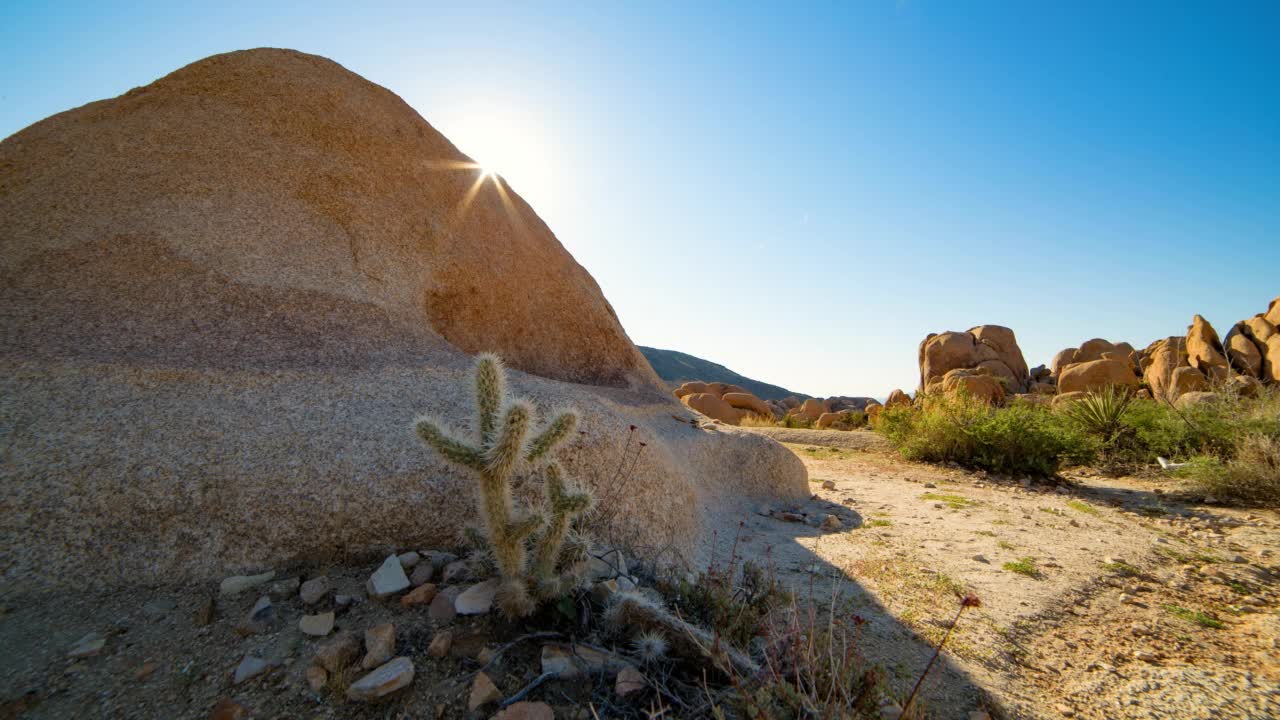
(726, 402)
(731, 404)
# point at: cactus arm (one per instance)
(451, 449)
(553, 434)
(490, 389)
(508, 445)
(563, 505)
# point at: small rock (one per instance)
(317, 625)
(828, 484)
(456, 572)
(930, 485)
(159, 608)
(605, 564)
(1239, 559)
(526, 711)
(314, 590)
(603, 590)
(261, 618)
(339, 652)
(791, 517)
(250, 667)
(388, 579)
(317, 678)
(629, 680)
(440, 644)
(981, 559)
(1144, 656)
(408, 559)
(421, 595)
(205, 612)
(379, 645)
(485, 656)
(1114, 561)
(145, 671)
(228, 709)
(1065, 710)
(442, 610)
(422, 574)
(831, 523)
(383, 681)
(284, 589)
(483, 692)
(438, 558)
(88, 646)
(343, 601)
(237, 584)
(477, 599)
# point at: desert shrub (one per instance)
(753, 420)
(1251, 475)
(793, 421)
(1020, 438)
(1152, 428)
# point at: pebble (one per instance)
(388, 579)
(1065, 710)
(440, 644)
(409, 559)
(421, 595)
(442, 610)
(250, 667)
(422, 574)
(317, 625)
(339, 652)
(205, 612)
(228, 709)
(379, 645)
(314, 590)
(455, 572)
(237, 584)
(628, 680)
(88, 646)
(828, 484)
(159, 608)
(383, 681)
(284, 589)
(1144, 656)
(483, 692)
(526, 711)
(477, 599)
(261, 618)
(317, 678)
(981, 559)
(831, 522)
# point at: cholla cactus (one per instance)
(502, 447)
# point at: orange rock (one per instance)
(1204, 350)
(747, 401)
(421, 595)
(897, 397)
(1095, 375)
(713, 407)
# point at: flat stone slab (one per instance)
(383, 681)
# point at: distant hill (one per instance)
(676, 367)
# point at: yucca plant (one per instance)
(503, 447)
(1101, 412)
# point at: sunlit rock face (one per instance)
(227, 294)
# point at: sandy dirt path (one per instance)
(1129, 604)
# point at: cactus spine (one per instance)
(502, 448)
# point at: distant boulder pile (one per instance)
(725, 402)
(984, 361)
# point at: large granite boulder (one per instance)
(1205, 351)
(227, 294)
(1096, 375)
(992, 348)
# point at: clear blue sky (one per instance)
(803, 192)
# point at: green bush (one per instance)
(1020, 438)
